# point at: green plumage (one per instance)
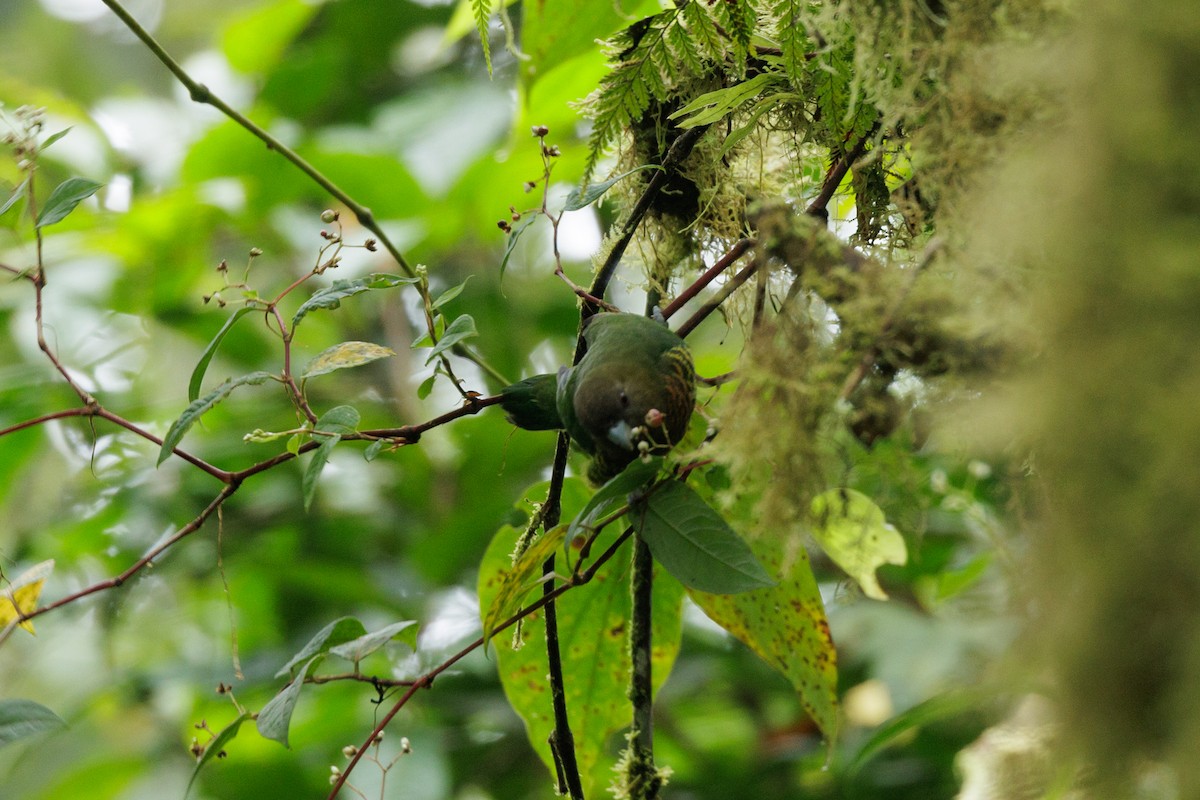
(633, 391)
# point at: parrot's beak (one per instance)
(622, 435)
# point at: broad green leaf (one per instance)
(198, 407)
(21, 596)
(853, 531)
(332, 295)
(211, 350)
(65, 197)
(215, 746)
(578, 199)
(695, 544)
(357, 649)
(255, 39)
(331, 427)
(335, 633)
(713, 106)
(346, 354)
(276, 716)
(22, 718)
(450, 294)
(784, 624)
(460, 329)
(593, 622)
(555, 31)
(16, 195)
(513, 585)
(614, 494)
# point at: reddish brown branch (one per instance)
(426, 680)
(737, 251)
(143, 562)
(833, 178)
(712, 305)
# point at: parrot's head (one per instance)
(613, 406)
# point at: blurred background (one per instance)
(393, 101)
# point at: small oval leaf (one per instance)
(346, 354)
(65, 197)
(461, 328)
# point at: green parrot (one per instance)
(632, 392)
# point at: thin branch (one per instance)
(723, 263)
(425, 681)
(713, 304)
(201, 94)
(680, 149)
(143, 562)
(833, 178)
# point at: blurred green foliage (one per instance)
(409, 124)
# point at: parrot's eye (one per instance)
(624, 398)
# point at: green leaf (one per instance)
(461, 328)
(713, 106)
(482, 12)
(578, 199)
(332, 295)
(426, 387)
(853, 531)
(338, 632)
(276, 716)
(65, 197)
(951, 704)
(346, 354)
(331, 427)
(372, 450)
(198, 407)
(210, 351)
(215, 746)
(784, 624)
(593, 638)
(614, 494)
(696, 545)
(54, 137)
(450, 294)
(512, 240)
(16, 195)
(357, 649)
(22, 718)
(513, 585)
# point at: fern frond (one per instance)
(642, 58)
(792, 34)
(738, 19)
(482, 11)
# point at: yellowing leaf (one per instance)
(346, 354)
(853, 531)
(21, 596)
